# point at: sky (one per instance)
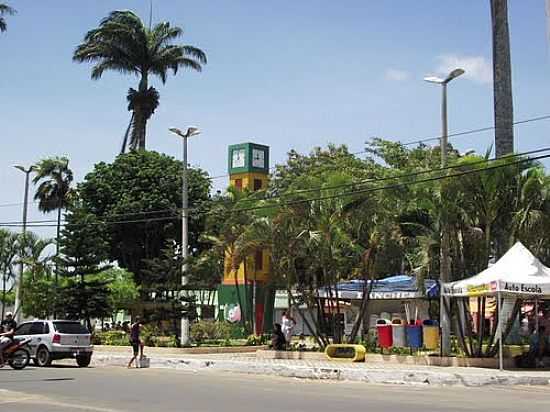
(288, 74)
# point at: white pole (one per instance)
(184, 241)
(536, 315)
(500, 354)
(18, 312)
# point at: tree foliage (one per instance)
(123, 291)
(84, 250)
(5, 10)
(331, 216)
(123, 43)
(140, 193)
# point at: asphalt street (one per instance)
(66, 388)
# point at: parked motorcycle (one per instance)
(17, 355)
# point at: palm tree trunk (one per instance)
(126, 135)
(142, 124)
(137, 141)
(3, 295)
(502, 79)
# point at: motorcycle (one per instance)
(17, 355)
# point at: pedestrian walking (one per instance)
(136, 342)
(287, 326)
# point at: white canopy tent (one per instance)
(518, 273)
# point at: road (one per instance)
(66, 388)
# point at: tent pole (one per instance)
(500, 354)
(536, 315)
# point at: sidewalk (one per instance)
(379, 373)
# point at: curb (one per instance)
(339, 373)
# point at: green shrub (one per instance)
(148, 334)
(236, 330)
(165, 341)
(255, 340)
(112, 338)
(207, 330)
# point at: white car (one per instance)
(57, 339)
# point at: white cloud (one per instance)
(397, 75)
(477, 68)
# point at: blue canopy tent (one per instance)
(398, 287)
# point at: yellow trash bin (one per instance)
(346, 352)
(430, 332)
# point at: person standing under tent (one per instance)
(287, 326)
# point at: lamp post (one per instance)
(19, 277)
(191, 131)
(445, 261)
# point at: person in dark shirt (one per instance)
(278, 341)
(135, 341)
(6, 337)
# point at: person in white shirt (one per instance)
(287, 326)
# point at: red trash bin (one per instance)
(385, 335)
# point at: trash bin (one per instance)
(396, 316)
(372, 320)
(398, 334)
(386, 316)
(414, 336)
(385, 337)
(430, 332)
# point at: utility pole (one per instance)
(19, 277)
(445, 259)
(191, 131)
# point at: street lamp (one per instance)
(445, 262)
(444, 131)
(19, 276)
(191, 131)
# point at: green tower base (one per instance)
(256, 305)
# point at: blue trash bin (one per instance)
(414, 336)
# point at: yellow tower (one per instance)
(245, 287)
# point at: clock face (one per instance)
(258, 158)
(238, 158)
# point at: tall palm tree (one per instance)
(5, 10)
(123, 43)
(8, 256)
(34, 254)
(502, 79)
(54, 178)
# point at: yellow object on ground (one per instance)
(431, 337)
(346, 352)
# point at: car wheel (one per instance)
(83, 360)
(43, 357)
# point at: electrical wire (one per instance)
(301, 201)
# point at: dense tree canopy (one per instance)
(331, 216)
(139, 195)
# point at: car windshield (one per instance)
(73, 328)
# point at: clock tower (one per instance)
(249, 166)
(243, 291)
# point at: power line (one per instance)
(405, 175)
(301, 201)
(463, 133)
(389, 187)
(434, 138)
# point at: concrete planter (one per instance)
(201, 350)
(393, 359)
(274, 354)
